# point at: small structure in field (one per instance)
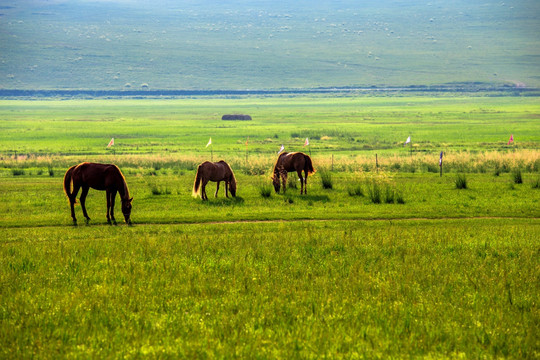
(236, 117)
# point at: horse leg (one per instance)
(72, 200)
(203, 189)
(113, 197)
(301, 182)
(305, 182)
(284, 181)
(217, 188)
(83, 202)
(227, 184)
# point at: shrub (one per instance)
(461, 181)
(326, 179)
(516, 175)
(51, 171)
(399, 198)
(536, 184)
(17, 172)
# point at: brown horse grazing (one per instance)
(217, 171)
(100, 177)
(288, 162)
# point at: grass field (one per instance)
(427, 271)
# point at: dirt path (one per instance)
(276, 221)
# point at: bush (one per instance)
(326, 179)
(17, 172)
(51, 171)
(461, 181)
(516, 175)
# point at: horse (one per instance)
(217, 171)
(106, 177)
(287, 162)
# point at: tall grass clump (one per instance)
(159, 190)
(461, 181)
(374, 192)
(292, 182)
(399, 198)
(536, 184)
(265, 190)
(517, 177)
(355, 190)
(326, 179)
(389, 194)
(17, 172)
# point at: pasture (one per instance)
(428, 271)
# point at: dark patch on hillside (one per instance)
(236, 117)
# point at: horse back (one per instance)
(98, 176)
(215, 171)
(292, 161)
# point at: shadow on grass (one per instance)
(231, 201)
(312, 198)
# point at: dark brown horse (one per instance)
(217, 171)
(288, 162)
(100, 177)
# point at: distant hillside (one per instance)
(257, 44)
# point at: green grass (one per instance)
(39, 200)
(428, 271)
(343, 127)
(440, 288)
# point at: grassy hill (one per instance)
(266, 45)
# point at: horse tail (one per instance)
(198, 180)
(67, 183)
(309, 165)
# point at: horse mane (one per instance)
(233, 178)
(125, 189)
(277, 161)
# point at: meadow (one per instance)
(374, 262)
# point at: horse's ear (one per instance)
(130, 200)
